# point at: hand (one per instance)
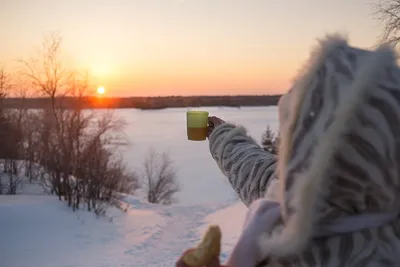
(214, 263)
(212, 123)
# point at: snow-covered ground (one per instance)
(37, 230)
(40, 231)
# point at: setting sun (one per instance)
(101, 90)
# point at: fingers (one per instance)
(210, 129)
(214, 120)
(212, 123)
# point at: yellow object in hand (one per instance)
(207, 250)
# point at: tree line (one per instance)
(159, 102)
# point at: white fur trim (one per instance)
(302, 83)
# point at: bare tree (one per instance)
(160, 178)
(46, 70)
(76, 147)
(5, 83)
(388, 14)
(45, 73)
(31, 146)
(10, 139)
(102, 174)
(13, 182)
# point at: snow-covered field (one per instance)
(165, 130)
(40, 231)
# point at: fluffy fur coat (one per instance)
(339, 156)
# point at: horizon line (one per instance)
(160, 96)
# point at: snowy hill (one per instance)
(40, 231)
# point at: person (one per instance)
(331, 196)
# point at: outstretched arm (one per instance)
(248, 167)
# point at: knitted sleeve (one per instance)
(248, 167)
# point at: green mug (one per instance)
(197, 125)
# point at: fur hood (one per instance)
(321, 118)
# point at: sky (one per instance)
(185, 47)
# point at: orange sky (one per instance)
(185, 47)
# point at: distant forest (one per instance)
(144, 102)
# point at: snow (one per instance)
(41, 231)
(231, 220)
(38, 230)
(165, 131)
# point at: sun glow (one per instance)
(100, 70)
(101, 90)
